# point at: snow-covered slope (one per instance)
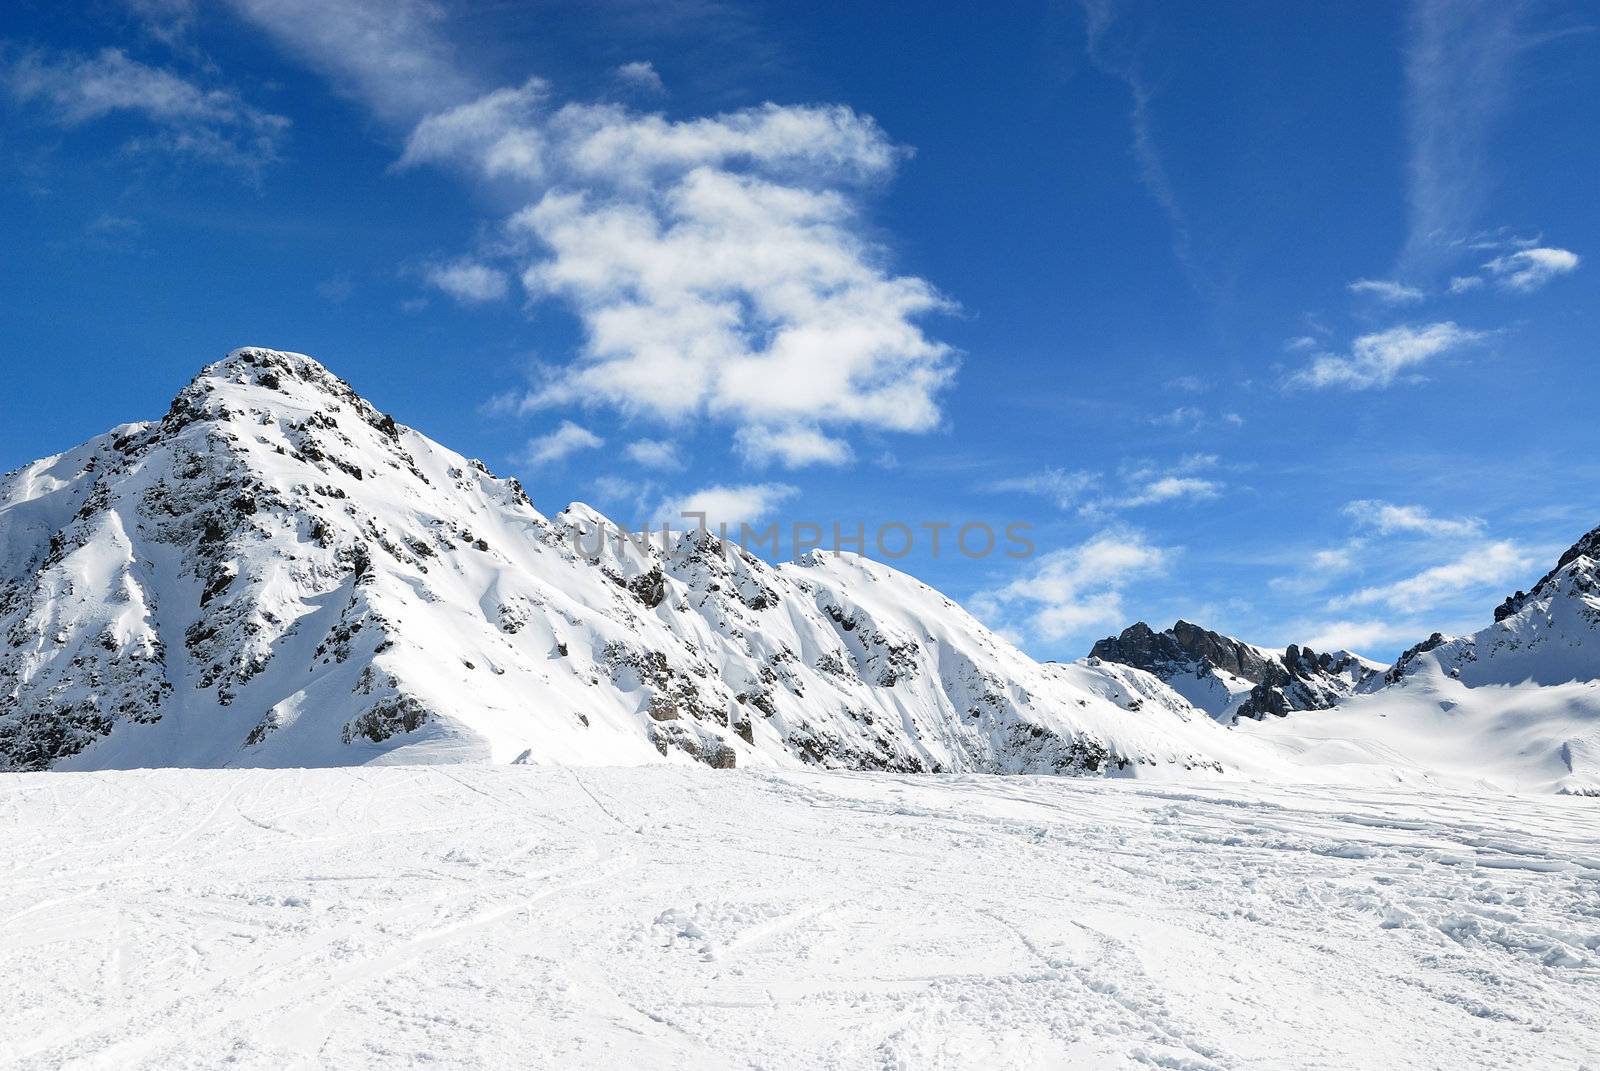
(1514, 706)
(679, 917)
(276, 574)
(1430, 730)
(1230, 679)
(1549, 635)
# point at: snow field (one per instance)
(465, 916)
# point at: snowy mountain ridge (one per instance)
(1546, 636)
(276, 574)
(1514, 706)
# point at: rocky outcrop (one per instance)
(1408, 657)
(1182, 647)
(1305, 680)
(1231, 679)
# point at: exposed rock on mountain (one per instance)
(1183, 644)
(277, 574)
(1231, 679)
(1301, 679)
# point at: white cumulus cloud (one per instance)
(737, 298)
(729, 504)
(565, 440)
(794, 446)
(496, 134)
(640, 75)
(720, 266)
(654, 454)
(469, 282)
(1068, 591)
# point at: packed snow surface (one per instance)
(517, 916)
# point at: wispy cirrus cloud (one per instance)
(1066, 489)
(1369, 635)
(185, 117)
(1459, 66)
(1421, 571)
(391, 55)
(1484, 568)
(1388, 518)
(1387, 290)
(1382, 358)
(1133, 486)
(1099, 18)
(168, 21)
(1193, 418)
(1166, 489)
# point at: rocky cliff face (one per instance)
(1302, 679)
(275, 573)
(1231, 679)
(1182, 645)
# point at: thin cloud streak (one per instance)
(1459, 66)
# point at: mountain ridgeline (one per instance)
(1231, 679)
(275, 573)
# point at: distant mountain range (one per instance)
(277, 574)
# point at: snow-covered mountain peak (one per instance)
(276, 573)
(1577, 572)
(280, 379)
(1549, 634)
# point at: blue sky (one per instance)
(1278, 317)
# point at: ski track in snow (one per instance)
(538, 916)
